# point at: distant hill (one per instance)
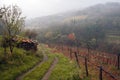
(106, 16)
(108, 11)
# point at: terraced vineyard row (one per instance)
(108, 62)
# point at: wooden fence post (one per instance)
(86, 67)
(70, 53)
(62, 47)
(76, 56)
(100, 75)
(118, 61)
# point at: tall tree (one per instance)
(93, 36)
(12, 23)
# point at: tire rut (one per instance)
(48, 73)
(45, 58)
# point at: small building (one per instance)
(25, 43)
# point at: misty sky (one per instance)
(37, 8)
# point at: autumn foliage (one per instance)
(71, 36)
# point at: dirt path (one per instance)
(45, 58)
(46, 76)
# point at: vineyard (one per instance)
(96, 65)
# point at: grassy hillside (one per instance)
(65, 69)
(97, 26)
(40, 71)
(20, 62)
(113, 36)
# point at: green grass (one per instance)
(0, 39)
(1, 54)
(22, 61)
(113, 38)
(40, 71)
(64, 70)
(19, 62)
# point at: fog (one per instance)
(38, 8)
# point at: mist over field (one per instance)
(59, 39)
(38, 8)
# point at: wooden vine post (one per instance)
(100, 74)
(77, 60)
(86, 67)
(118, 61)
(70, 53)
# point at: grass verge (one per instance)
(40, 71)
(64, 70)
(20, 62)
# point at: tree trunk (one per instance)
(10, 46)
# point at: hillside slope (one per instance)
(108, 13)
